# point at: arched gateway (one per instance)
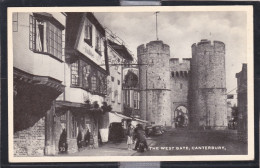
(180, 117)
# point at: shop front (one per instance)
(80, 123)
(113, 126)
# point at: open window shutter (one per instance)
(31, 33)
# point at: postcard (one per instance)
(92, 84)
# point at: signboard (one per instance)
(130, 78)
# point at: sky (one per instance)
(180, 30)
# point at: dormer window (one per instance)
(88, 32)
(44, 36)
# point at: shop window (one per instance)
(63, 118)
(75, 73)
(15, 22)
(45, 37)
(88, 32)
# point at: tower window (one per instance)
(177, 74)
(173, 74)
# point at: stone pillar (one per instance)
(49, 132)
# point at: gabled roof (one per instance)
(74, 25)
(121, 50)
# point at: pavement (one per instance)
(109, 149)
(176, 142)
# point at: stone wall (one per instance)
(208, 85)
(155, 86)
(31, 141)
(179, 83)
(242, 126)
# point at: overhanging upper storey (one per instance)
(85, 38)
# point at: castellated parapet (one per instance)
(155, 86)
(208, 85)
(179, 83)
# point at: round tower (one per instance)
(208, 85)
(154, 74)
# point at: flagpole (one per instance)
(156, 26)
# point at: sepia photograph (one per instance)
(130, 84)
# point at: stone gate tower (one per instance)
(179, 83)
(208, 85)
(154, 73)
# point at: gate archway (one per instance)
(181, 116)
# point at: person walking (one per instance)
(129, 134)
(87, 137)
(79, 140)
(139, 136)
(63, 145)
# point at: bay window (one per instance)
(94, 83)
(45, 37)
(75, 73)
(87, 77)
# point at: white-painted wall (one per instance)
(29, 61)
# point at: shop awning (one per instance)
(139, 120)
(116, 117)
(122, 116)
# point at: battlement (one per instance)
(206, 43)
(180, 61)
(178, 65)
(183, 74)
(153, 45)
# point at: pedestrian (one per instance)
(91, 141)
(87, 137)
(139, 136)
(129, 133)
(79, 140)
(63, 145)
